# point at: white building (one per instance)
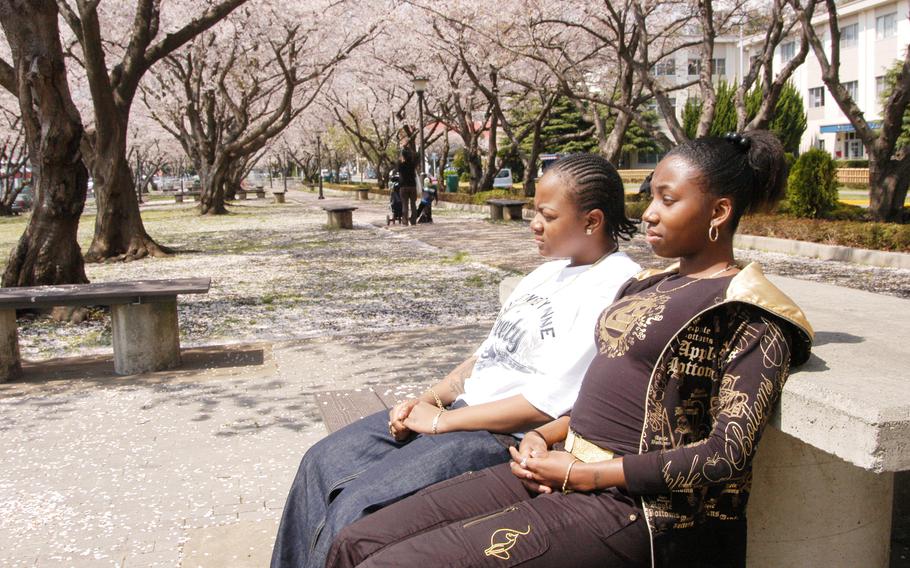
(874, 34)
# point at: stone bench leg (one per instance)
(363, 195)
(146, 337)
(496, 212)
(178, 199)
(241, 195)
(810, 508)
(10, 364)
(279, 198)
(513, 213)
(341, 219)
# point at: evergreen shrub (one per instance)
(812, 185)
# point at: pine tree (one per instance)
(789, 119)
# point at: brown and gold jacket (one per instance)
(704, 415)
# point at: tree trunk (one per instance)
(211, 202)
(475, 167)
(612, 147)
(529, 180)
(47, 252)
(119, 231)
(887, 189)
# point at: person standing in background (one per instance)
(407, 173)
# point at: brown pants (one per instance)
(408, 196)
(487, 518)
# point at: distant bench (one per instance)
(144, 325)
(178, 197)
(506, 209)
(340, 216)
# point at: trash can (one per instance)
(451, 183)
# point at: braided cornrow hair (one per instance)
(597, 185)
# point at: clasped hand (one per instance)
(538, 468)
(412, 416)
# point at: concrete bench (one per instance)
(178, 197)
(260, 192)
(241, 193)
(363, 194)
(340, 216)
(144, 325)
(505, 209)
(279, 196)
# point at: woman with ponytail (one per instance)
(653, 467)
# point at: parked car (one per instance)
(503, 179)
(23, 201)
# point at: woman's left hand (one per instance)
(421, 418)
(548, 470)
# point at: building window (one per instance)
(880, 85)
(673, 102)
(694, 66)
(787, 51)
(849, 35)
(665, 68)
(817, 97)
(719, 66)
(852, 88)
(886, 26)
(820, 144)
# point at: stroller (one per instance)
(394, 215)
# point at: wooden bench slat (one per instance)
(106, 293)
(340, 408)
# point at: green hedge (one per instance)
(861, 234)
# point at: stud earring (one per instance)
(588, 231)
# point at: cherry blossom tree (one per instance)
(239, 87)
(117, 43)
(47, 252)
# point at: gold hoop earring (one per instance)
(713, 233)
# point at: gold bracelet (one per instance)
(436, 421)
(438, 400)
(568, 471)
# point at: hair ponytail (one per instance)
(750, 168)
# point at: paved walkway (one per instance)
(191, 468)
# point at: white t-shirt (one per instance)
(543, 339)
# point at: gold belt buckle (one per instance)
(584, 450)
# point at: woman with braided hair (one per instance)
(653, 467)
(526, 373)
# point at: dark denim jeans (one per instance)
(360, 469)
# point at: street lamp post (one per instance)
(319, 164)
(420, 85)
